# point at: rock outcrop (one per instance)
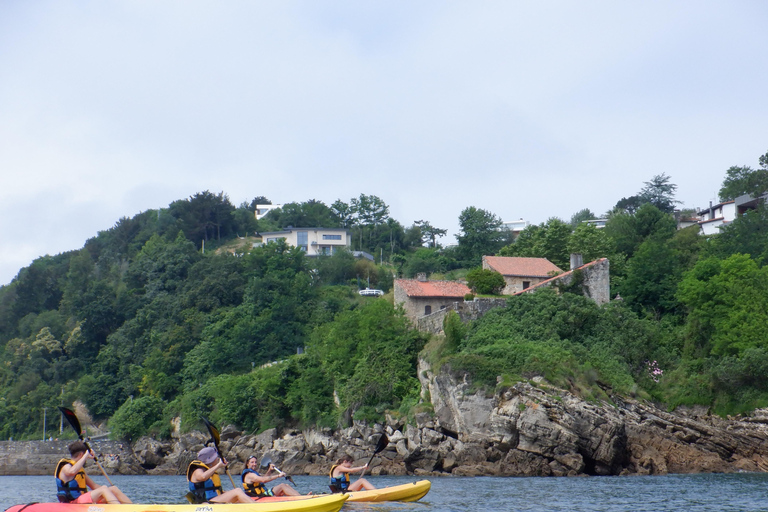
(527, 429)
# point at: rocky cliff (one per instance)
(527, 429)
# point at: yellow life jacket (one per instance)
(69, 491)
(206, 490)
(256, 489)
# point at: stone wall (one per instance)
(41, 457)
(467, 310)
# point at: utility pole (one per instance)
(44, 409)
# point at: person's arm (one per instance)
(201, 475)
(263, 479)
(70, 470)
(349, 469)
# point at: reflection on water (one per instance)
(716, 493)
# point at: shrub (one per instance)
(485, 281)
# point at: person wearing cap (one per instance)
(205, 484)
(72, 483)
(253, 482)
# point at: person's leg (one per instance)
(284, 490)
(119, 494)
(361, 483)
(103, 494)
(232, 496)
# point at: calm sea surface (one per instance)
(740, 492)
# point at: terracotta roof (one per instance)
(559, 276)
(524, 267)
(414, 288)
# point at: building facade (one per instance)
(420, 297)
(313, 241)
(520, 273)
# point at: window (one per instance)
(275, 239)
(526, 285)
(331, 237)
(427, 310)
(301, 240)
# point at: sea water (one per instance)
(680, 493)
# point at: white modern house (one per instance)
(719, 215)
(313, 241)
(263, 209)
(715, 216)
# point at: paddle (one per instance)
(380, 445)
(266, 460)
(72, 419)
(215, 437)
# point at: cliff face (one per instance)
(524, 430)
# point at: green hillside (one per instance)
(143, 326)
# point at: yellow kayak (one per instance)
(406, 492)
(324, 503)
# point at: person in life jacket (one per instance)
(73, 484)
(253, 482)
(340, 476)
(205, 484)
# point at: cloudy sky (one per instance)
(528, 109)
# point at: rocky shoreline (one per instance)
(528, 429)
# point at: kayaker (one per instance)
(205, 484)
(253, 482)
(340, 476)
(72, 483)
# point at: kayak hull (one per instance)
(405, 492)
(325, 503)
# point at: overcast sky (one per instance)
(530, 110)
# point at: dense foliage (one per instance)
(172, 313)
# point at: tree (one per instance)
(745, 180)
(580, 216)
(429, 233)
(480, 234)
(485, 281)
(548, 240)
(592, 243)
(652, 277)
(629, 231)
(727, 303)
(205, 216)
(660, 193)
(309, 214)
(343, 212)
(628, 205)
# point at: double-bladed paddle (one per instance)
(380, 445)
(75, 423)
(215, 437)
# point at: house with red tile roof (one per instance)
(420, 297)
(520, 273)
(593, 280)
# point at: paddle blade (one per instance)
(382, 443)
(72, 419)
(214, 433)
(266, 460)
